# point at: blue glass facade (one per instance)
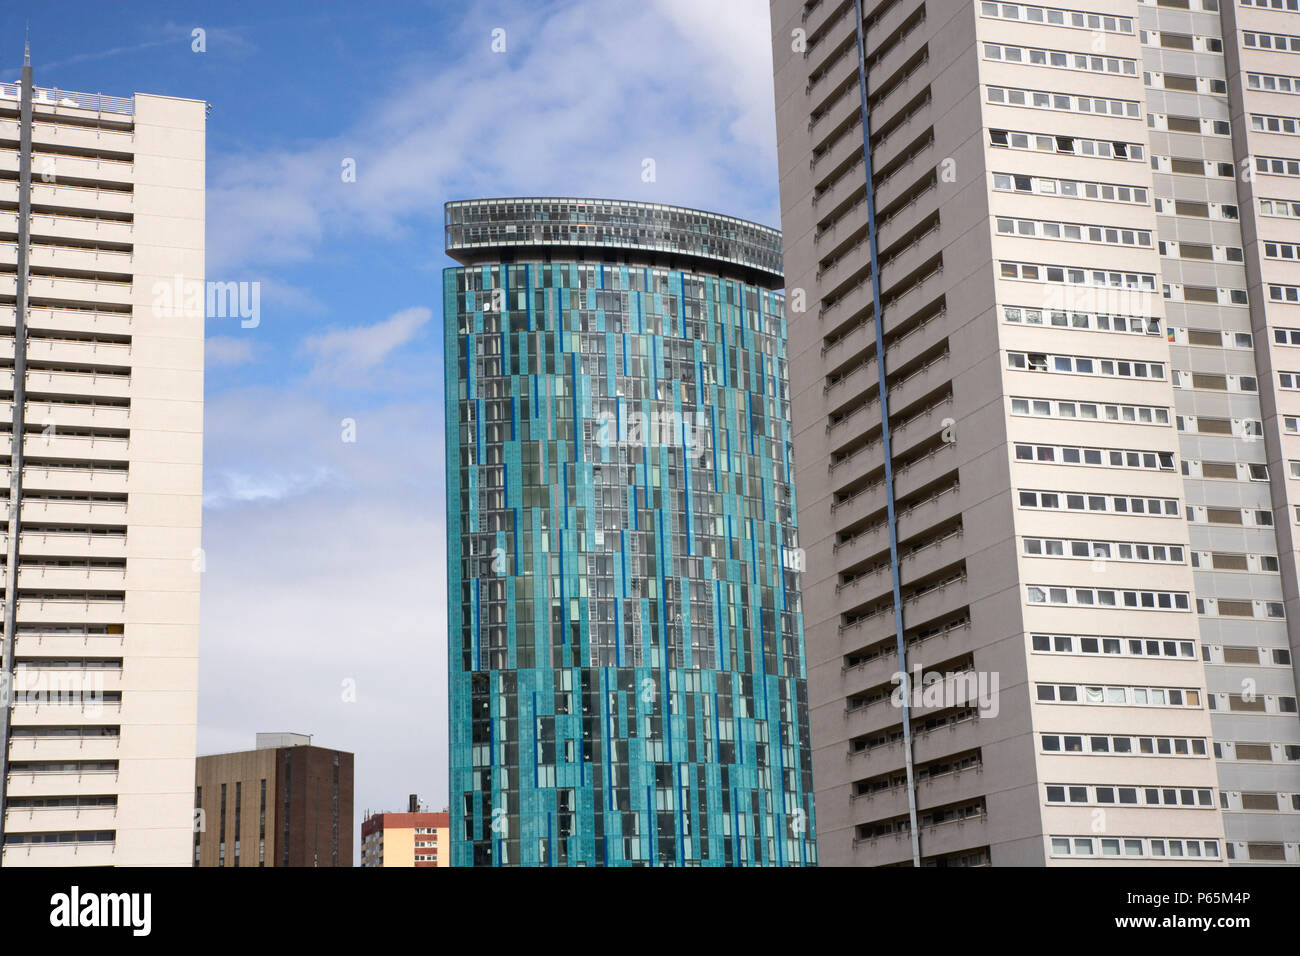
(625, 634)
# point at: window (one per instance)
(1100, 278)
(1273, 83)
(1124, 745)
(1094, 644)
(1063, 102)
(1055, 16)
(1116, 504)
(1119, 695)
(1060, 59)
(1130, 795)
(1070, 145)
(1102, 550)
(1278, 42)
(1073, 232)
(1092, 321)
(1104, 598)
(1277, 166)
(1085, 365)
(1069, 188)
(1287, 125)
(1279, 208)
(1090, 411)
(1096, 457)
(1286, 251)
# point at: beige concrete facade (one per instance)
(1042, 265)
(108, 580)
(413, 839)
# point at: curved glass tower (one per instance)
(625, 633)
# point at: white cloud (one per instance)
(564, 111)
(733, 41)
(342, 353)
(236, 487)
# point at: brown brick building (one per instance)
(285, 803)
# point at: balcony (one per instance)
(848, 143)
(76, 258)
(886, 25)
(75, 227)
(56, 854)
(70, 320)
(64, 748)
(75, 352)
(838, 111)
(77, 383)
(902, 179)
(69, 415)
(44, 131)
(68, 446)
(91, 480)
(841, 227)
(71, 578)
(915, 475)
(74, 512)
(921, 425)
(66, 686)
(80, 290)
(61, 644)
(862, 504)
(851, 265)
(82, 197)
(36, 610)
(72, 544)
(824, 20)
(61, 784)
(90, 168)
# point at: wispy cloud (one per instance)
(340, 354)
(171, 35)
(695, 73)
(228, 487)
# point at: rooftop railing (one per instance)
(82, 101)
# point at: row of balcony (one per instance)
(86, 228)
(67, 196)
(78, 137)
(68, 320)
(90, 291)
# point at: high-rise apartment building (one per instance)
(416, 838)
(1044, 425)
(101, 399)
(284, 803)
(624, 620)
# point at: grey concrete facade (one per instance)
(1063, 317)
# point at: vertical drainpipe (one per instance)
(885, 441)
(19, 410)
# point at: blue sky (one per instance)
(324, 557)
